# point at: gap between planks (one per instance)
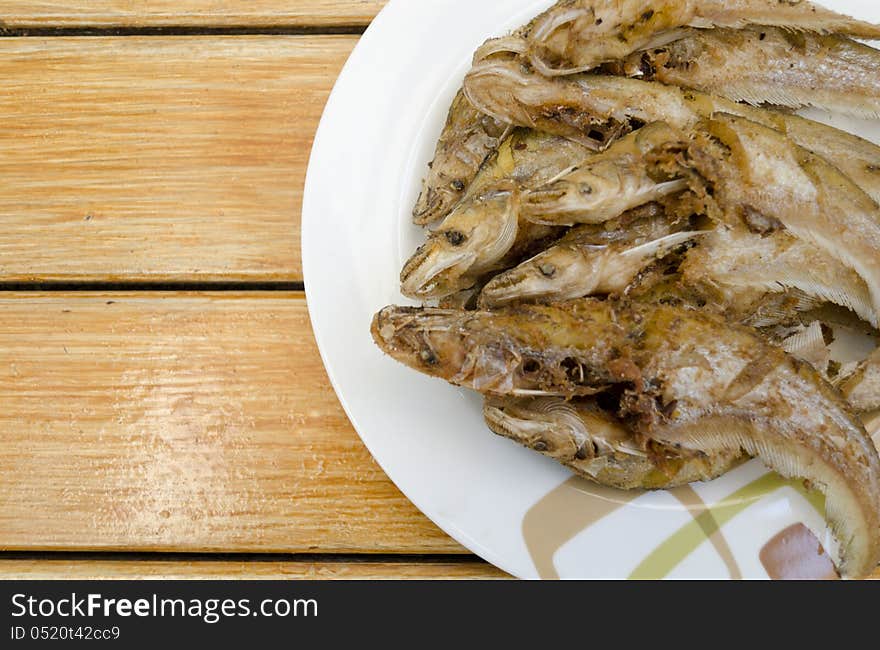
(189, 13)
(180, 30)
(257, 567)
(157, 287)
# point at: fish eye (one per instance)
(531, 366)
(454, 237)
(547, 270)
(586, 189)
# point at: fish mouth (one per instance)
(550, 197)
(411, 337)
(555, 204)
(502, 293)
(560, 440)
(427, 207)
(429, 274)
(432, 206)
(392, 320)
(513, 426)
(510, 287)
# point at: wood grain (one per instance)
(60, 568)
(175, 422)
(201, 13)
(158, 159)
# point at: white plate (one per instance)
(514, 508)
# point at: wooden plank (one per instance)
(193, 13)
(251, 569)
(158, 159)
(176, 422)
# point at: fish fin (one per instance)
(506, 237)
(670, 187)
(808, 344)
(855, 552)
(855, 299)
(846, 372)
(795, 97)
(864, 305)
(660, 247)
(794, 16)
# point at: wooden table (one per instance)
(165, 412)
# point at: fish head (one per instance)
(494, 83)
(433, 341)
(578, 35)
(548, 275)
(579, 191)
(434, 202)
(476, 236)
(634, 165)
(556, 426)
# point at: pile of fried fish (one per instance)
(638, 253)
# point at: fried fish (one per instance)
(578, 35)
(568, 106)
(485, 232)
(682, 378)
(594, 444)
(768, 65)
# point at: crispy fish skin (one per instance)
(502, 88)
(596, 446)
(485, 232)
(688, 378)
(735, 267)
(578, 35)
(769, 65)
(468, 138)
(591, 259)
(759, 174)
(605, 185)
